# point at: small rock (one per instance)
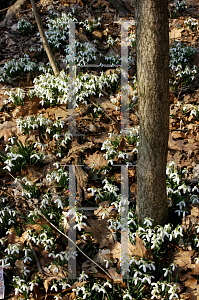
(92, 128)
(14, 27)
(34, 39)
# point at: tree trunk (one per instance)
(152, 42)
(44, 39)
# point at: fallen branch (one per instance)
(44, 39)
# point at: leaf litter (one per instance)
(96, 237)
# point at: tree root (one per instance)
(12, 11)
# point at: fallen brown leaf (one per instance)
(181, 145)
(175, 33)
(48, 281)
(139, 249)
(7, 129)
(29, 107)
(101, 234)
(96, 160)
(13, 238)
(183, 259)
(115, 276)
(122, 145)
(101, 3)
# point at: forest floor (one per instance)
(37, 211)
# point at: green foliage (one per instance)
(19, 155)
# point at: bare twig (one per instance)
(71, 241)
(35, 256)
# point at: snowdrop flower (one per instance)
(197, 240)
(56, 136)
(93, 191)
(26, 259)
(197, 228)
(64, 285)
(108, 284)
(155, 291)
(194, 199)
(4, 262)
(127, 295)
(172, 291)
(167, 270)
(107, 263)
(79, 225)
(136, 278)
(55, 270)
(12, 249)
(148, 222)
(32, 284)
(51, 215)
(102, 289)
(147, 278)
(35, 155)
(54, 286)
(26, 251)
(144, 265)
(84, 236)
(25, 271)
(59, 203)
(72, 255)
(56, 164)
(96, 287)
(11, 139)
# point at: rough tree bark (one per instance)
(152, 42)
(44, 39)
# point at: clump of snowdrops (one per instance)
(113, 142)
(15, 97)
(24, 26)
(191, 23)
(177, 7)
(91, 25)
(15, 67)
(53, 90)
(180, 72)
(17, 155)
(58, 29)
